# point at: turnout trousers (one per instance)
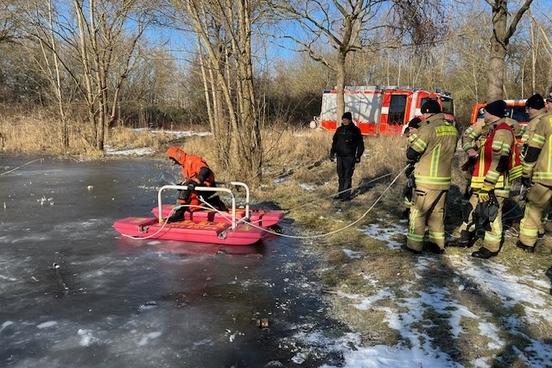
(493, 238)
(345, 170)
(538, 198)
(427, 211)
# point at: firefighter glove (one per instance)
(484, 193)
(472, 153)
(483, 196)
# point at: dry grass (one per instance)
(34, 133)
(38, 132)
(122, 137)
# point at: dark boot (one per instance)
(434, 248)
(525, 248)
(484, 253)
(414, 251)
(465, 240)
(178, 215)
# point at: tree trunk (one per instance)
(499, 45)
(497, 55)
(495, 73)
(340, 86)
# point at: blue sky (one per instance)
(182, 45)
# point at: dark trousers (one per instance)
(345, 170)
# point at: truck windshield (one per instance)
(447, 105)
(519, 114)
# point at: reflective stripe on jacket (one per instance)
(541, 170)
(499, 142)
(436, 141)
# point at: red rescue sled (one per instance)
(234, 227)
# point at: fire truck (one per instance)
(515, 109)
(380, 110)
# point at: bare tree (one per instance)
(224, 29)
(95, 45)
(500, 39)
(8, 21)
(352, 26)
(339, 24)
(105, 52)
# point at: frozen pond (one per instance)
(72, 293)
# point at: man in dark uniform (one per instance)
(348, 147)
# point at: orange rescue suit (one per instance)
(190, 168)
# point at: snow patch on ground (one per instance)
(143, 151)
(387, 233)
(491, 331)
(366, 302)
(408, 316)
(381, 356)
(530, 290)
(308, 187)
(176, 133)
(352, 254)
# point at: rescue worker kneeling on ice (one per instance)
(429, 154)
(497, 165)
(195, 172)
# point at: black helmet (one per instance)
(431, 107)
(496, 108)
(535, 102)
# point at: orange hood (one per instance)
(177, 154)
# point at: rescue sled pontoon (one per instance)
(232, 227)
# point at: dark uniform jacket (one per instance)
(347, 142)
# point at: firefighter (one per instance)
(536, 109)
(549, 102)
(496, 166)
(430, 152)
(537, 175)
(347, 146)
(411, 128)
(195, 172)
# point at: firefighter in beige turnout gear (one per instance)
(496, 166)
(537, 174)
(536, 109)
(431, 150)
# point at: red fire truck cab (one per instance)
(381, 110)
(515, 109)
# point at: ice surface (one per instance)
(46, 324)
(150, 336)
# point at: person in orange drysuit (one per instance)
(195, 172)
